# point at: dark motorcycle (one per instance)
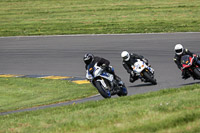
(190, 67)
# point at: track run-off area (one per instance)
(62, 56)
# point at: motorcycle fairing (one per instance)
(96, 71)
(107, 76)
(103, 83)
(187, 61)
(139, 66)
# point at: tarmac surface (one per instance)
(62, 55)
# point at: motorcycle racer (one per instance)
(90, 59)
(179, 52)
(128, 60)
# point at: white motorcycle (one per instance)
(105, 82)
(144, 72)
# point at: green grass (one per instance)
(170, 110)
(53, 17)
(18, 93)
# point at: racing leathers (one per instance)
(177, 60)
(105, 64)
(131, 61)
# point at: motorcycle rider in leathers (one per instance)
(179, 52)
(128, 60)
(90, 59)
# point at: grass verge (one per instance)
(18, 93)
(53, 17)
(169, 110)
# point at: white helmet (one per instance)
(125, 55)
(178, 49)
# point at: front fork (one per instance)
(103, 83)
(151, 71)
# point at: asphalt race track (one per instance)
(62, 55)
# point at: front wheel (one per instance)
(148, 77)
(103, 91)
(197, 73)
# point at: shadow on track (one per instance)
(142, 85)
(190, 83)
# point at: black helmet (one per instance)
(88, 58)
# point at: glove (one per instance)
(198, 57)
(109, 68)
(145, 60)
(103, 66)
(194, 55)
(181, 69)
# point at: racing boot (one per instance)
(118, 79)
(185, 75)
(133, 78)
(142, 79)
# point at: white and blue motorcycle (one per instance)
(105, 82)
(144, 72)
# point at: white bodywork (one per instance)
(98, 71)
(139, 66)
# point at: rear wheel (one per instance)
(102, 90)
(148, 76)
(197, 73)
(123, 91)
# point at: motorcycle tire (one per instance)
(123, 91)
(147, 76)
(104, 93)
(197, 73)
